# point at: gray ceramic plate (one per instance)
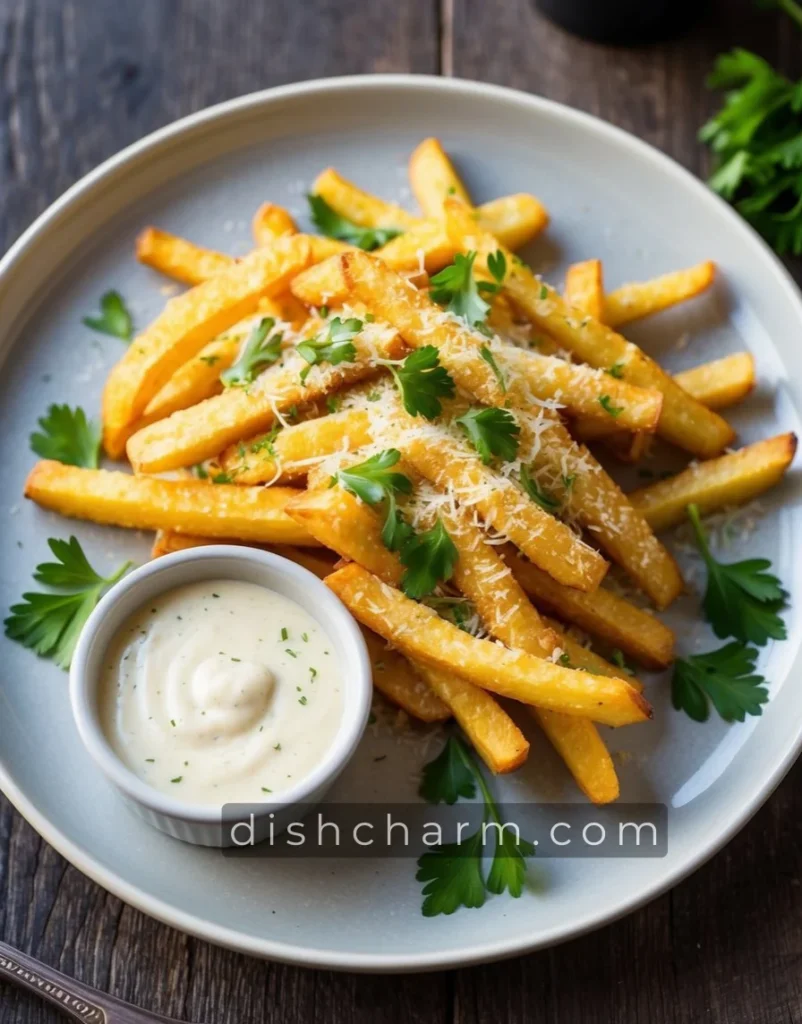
(609, 196)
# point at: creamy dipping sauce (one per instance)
(220, 692)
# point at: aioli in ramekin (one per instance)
(220, 692)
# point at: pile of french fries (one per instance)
(533, 575)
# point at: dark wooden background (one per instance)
(79, 79)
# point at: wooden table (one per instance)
(80, 79)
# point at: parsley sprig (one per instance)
(457, 288)
(334, 345)
(67, 436)
(332, 224)
(114, 318)
(725, 678)
(741, 599)
(429, 557)
(757, 141)
(50, 623)
(453, 873)
(261, 350)
(492, 432)
(422, 381)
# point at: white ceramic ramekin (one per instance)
(189, 822)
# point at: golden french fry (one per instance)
(395, 677)
(602, 614)
(289, 455)
(191, 435)
(547, 541)
(581, 390)
(189, 322)
(178, 258)
(496, 737)
(271, 222)
(322, 284)
(720, 383)
(731, 479)
(421, 634)
(683, 420)
(514, 220)
(432, 178)
(149, 503)
(579, 656)
(584, 287)
(632, 301)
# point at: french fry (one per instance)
(271, 222)
(720, 383)
(395, 678)
(731, 479)
(592, 498)
(496, 737)
(421, 634)
(177, 258)
(547, 541)
(514, 220)
(358, 206)
(579, 656)
(191, 435)
(633, 301)
(581, 390)
(584, 287)
(289, 455)
(683, 420)
(148, 503)
(188, 323)
(432, 178)
(322, 284)
(602, 614)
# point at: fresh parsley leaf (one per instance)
(373, 479)
(449, 776)
(617, 658)
(726, 678)
(265, 443)
(333, 346)
(492, 432)
(50, 623)
(114, 318)
(616, 370)
(258, 352)
(330, 223)
(396, 532)
(209, 360)
(607, 404)
(508, 870)
(333, 403)
(757, 140)
(422, 382)
(429, 558)
(489, 358)
(456, 288)
(497, 265)
(741, 599)
(535, 493)
(452, 876)
(67, 436)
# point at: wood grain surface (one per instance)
(79, 79)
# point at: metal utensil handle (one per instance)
(83, 1004)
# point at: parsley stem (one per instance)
(109, 580)
(792, 9)
(699, 531)
(490, 804)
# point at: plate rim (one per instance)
(288, 952)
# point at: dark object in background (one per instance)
(623, 21)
